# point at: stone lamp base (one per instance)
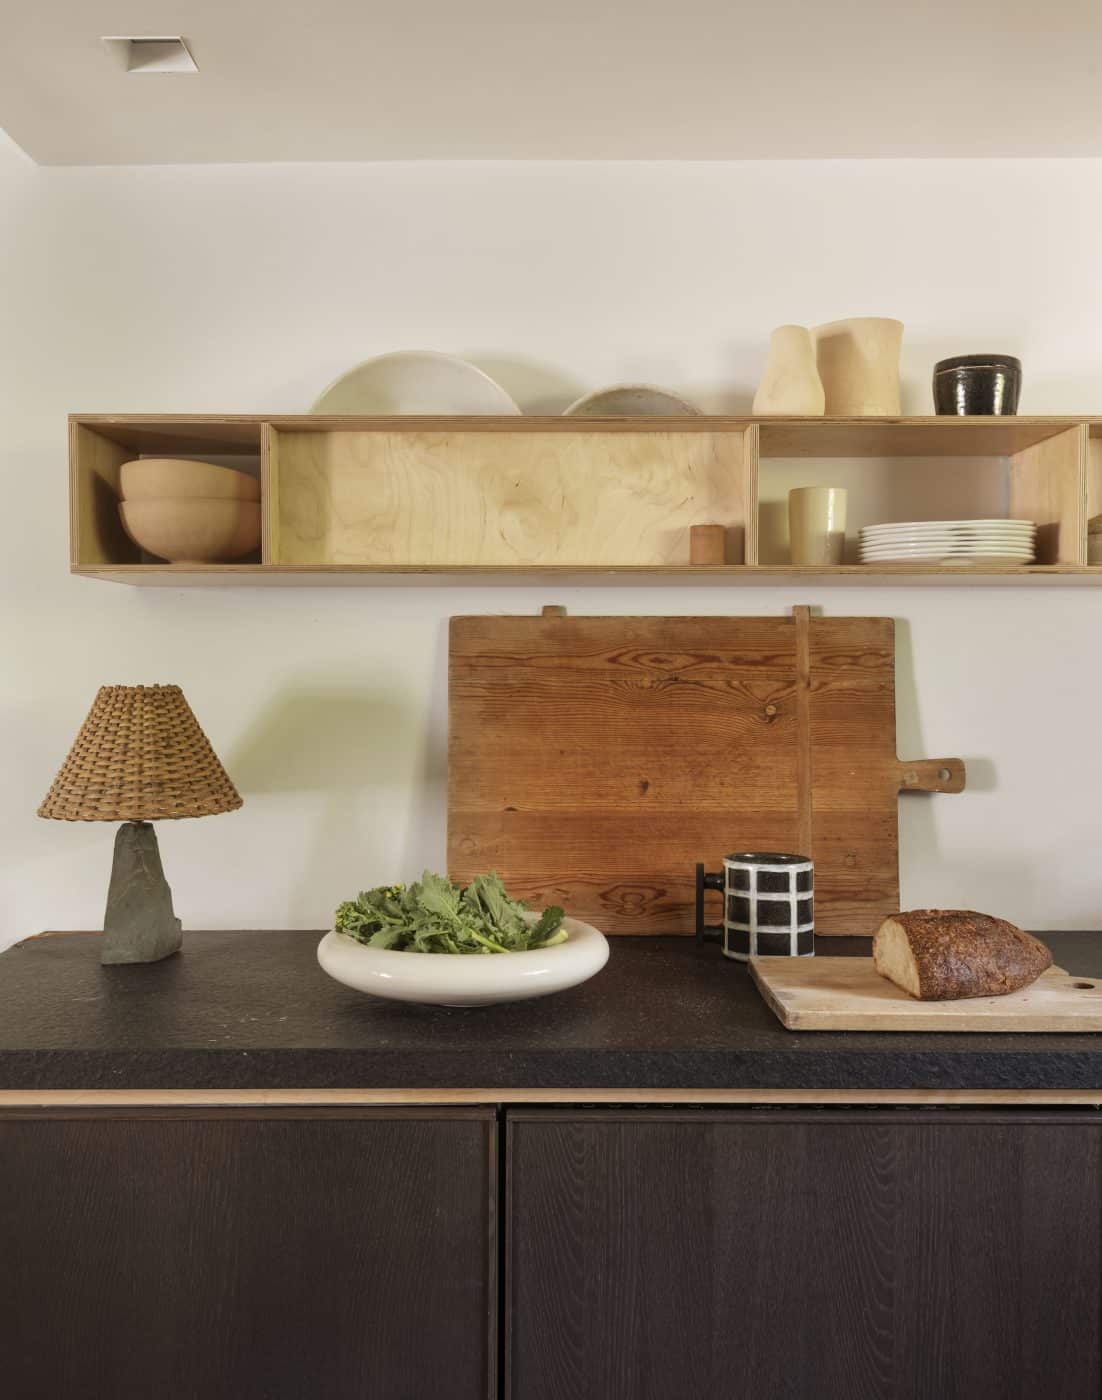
(138, 925)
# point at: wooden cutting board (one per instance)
(592, 761)
(848, 994)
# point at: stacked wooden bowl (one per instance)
(189, 512)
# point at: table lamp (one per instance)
(140, 757)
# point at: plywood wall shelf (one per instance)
(440, 501)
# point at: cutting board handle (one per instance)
(932, 775)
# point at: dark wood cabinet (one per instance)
(198, 1255)
(822, 1255)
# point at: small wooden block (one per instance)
(707, 544)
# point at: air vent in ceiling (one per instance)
(151, 54)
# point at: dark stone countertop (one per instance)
(254, 1010)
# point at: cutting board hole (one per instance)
(944, 775)
(1084, 986)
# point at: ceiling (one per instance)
(569, 80)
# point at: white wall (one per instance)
(248, 288)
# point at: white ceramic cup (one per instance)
(817, 524)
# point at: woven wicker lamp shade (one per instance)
(140, 756)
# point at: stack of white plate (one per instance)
(982, 542)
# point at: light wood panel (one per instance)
(475, 498)
(1094, 474)
(96, 535)
(848, 994)
(618, 576)
(269, 494)
(1048, 484)
(593, 761)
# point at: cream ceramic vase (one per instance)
(859, 365)
(817, 524)
(790, 383)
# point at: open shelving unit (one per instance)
(417, 500)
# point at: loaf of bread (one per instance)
(943, 954)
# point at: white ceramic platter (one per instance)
(415, 381)
(631, 401)
(466, 979)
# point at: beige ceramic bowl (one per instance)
(193, 531)
(173, 479)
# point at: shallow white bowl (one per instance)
(631, 401)
(466, 979)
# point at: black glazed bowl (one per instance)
(977, 384)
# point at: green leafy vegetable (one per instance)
(434, 916)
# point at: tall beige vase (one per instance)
(859, 365)
(790, 383)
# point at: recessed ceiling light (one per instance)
(150, 53)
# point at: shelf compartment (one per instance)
(1043, 480)
(587, 498)
(97, 449)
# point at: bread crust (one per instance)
(960, 953)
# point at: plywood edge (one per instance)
(269, 495)
(50, 1099)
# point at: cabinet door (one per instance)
(313, 1255)
(887, 1254)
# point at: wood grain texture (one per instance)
(598, 576)
(1048, 484)
(34, 1101)
(96, 536)
(848, 994)
(905, 437)
(269, 495)
(475, 498)
(861, 1255)
(243, 1257)
(594, 761)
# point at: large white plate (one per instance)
(952, 543)
(934, 541)
(949, 524)
(933, 557)
(963, 541)
(981, 532)
(954, 560)
(466, 979)
(415, 381)
(924, 537)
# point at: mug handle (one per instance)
(706, 933)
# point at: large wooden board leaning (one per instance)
(848, 994)
(594, 760)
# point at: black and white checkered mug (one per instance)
(768, 905)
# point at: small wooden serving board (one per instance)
(848, 994)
